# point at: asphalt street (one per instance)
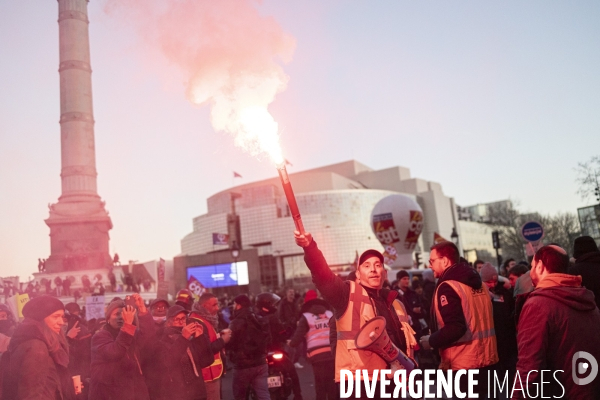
(306, 381)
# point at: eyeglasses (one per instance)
(180, 320)
(431, 260)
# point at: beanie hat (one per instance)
(112, 306)
(243, 300)
(401, 274)
(488, 272)
(310, 295)
(584, 245)
(175, 310)
(39, 308)
(370, 253)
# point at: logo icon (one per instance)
(579, 368)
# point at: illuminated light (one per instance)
(260, 129)
(278, 356)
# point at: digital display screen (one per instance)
(219, 275)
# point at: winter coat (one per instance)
(184, 360)
(588, 267)
(288, 313)
(250, 338)
(37, 362)
(116, 371)
(559, 318)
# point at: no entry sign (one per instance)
(532, 231)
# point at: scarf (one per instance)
(213, 319)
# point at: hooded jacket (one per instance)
(588, 267)
(559, 318)
(450, 307)
(37, 366)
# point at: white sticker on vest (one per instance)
(443, 300)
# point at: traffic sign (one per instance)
(532, 231)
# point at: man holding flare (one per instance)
(357, 302)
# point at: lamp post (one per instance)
(454, 236)
(235, 252)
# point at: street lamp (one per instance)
(235, 251)
(454, 236)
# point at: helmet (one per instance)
(267, 301)
(185, 299)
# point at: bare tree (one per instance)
(507, 220)
(588, 174)
(562, 229)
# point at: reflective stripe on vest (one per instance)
(317, 337)
(359, 311)
(214, 370)
(477, 347)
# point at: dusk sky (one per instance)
(493, 100)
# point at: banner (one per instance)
(94, 307)
(16, 303)
(220, 239)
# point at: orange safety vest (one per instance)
(317, 337)
(359, 311)
(477, 347)
(215, 370)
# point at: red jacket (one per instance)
(558, 320)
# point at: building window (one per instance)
(268, 272)
(296, 273)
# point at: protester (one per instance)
(313, 327)
(39, 355)
(463, 322)
(507, 266)
(587, 264)
(158, 309)
(514, 274)
(411, 301)
(266, 307)
(79, 339)
(288, 313)
(206, 314)
(428, 285)
(116, 370)
(559, 320)
(7, 327)
(185, 299)
(477, 265)
(503, 307)
(247, 350)
(185, 351)
(366, 298)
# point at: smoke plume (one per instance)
(231, 57)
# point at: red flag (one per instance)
(236, 175)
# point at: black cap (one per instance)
(370, 253)
(243, 300)
(175, 310)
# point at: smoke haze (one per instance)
(230, 56)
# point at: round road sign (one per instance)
(532, 231)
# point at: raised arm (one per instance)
(332, 287)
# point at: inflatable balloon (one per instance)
(397, 221)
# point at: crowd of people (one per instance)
(516, 320)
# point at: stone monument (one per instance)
(78, 222)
